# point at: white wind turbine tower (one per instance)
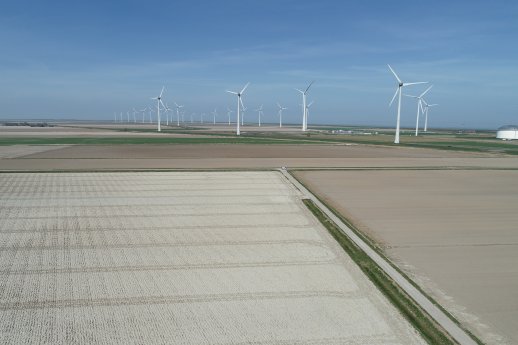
(178, 113)
(243, 110)
(307, 112)
(150, 112)
(281, 108)
(167, 110)
(259, 113)
(143, 111)
(158, 102)
(229, 111)
(419, 107)
(426, 106)
(215, 113)
(398, 93)
(134, 116)
(239, 104)
(304, 115)
(127, 114)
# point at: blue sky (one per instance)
(88, 59)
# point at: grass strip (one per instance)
(430, 330)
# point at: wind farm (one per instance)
(238, 174)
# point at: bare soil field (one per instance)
(83, 131)
(246, 156)
(180, 258)
(24, 150)
(453, 232)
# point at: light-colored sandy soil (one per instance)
(178, 258)
(454, 232)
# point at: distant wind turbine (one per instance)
(167, 111)
(398, 93)
(281, 108)
(178, 113)
(158, 102)
(426, 106)
(134, 116)
(419, 107)
(307, 111)
(239, 104)
(143, 111)
(304, 114)
(215, 113)
(259, 113)
(115, 113)
(229, 111)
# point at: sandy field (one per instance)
(454, 232)
(24, 150)
(180, 258)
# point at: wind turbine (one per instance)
(127, 114)
(304, 115)
(243, 109)
(158, 102)
(215, 113)
(307, 112)
(115, 116)
(426, 106)
(229, 111)
(121, 116)
(167, 110)
(281, 108)
(239, 104)
(260, 112)
(134, 117)
(178, 113)
(398, 93)
(143, 111)
(150, 118)
(419, 107)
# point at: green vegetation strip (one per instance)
(144, 140)
(430, 331)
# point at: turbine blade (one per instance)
(393, 98)
(242, 105)
(410, 96)
(425, 91)
(161, 92)
(309, 86)
(245, 88)
(394, 73)
(419, 82)
(279, 105)
(232, 92)
(300, 91)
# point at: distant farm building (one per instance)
(509, 132)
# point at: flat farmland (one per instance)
(453, 232)
(180, 258)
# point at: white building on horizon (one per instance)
(509, 132)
